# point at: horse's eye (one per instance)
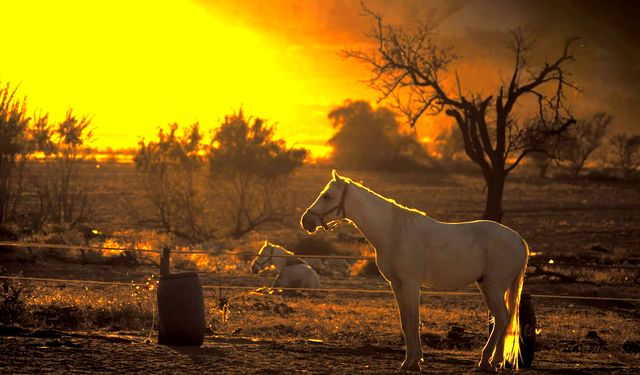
(326, 197)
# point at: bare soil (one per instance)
(567, 221)
(72, 352)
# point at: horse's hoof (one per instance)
(487, 367)
(410, 366)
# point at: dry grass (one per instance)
(561, 221)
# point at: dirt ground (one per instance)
(71, 352)
(569, 222)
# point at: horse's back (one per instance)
(299, 276)
(457, 254)
(505, 250)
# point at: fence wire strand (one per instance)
(42, 246)
(327, 290)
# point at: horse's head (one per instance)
(328, 208)
(263, 260)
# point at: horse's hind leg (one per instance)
(492, 353)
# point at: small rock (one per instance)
(13, 331)
(598, 247)
(46, 334)
(455, 332)
(71, 344)
(53, 344)
(631, 347)
(282, 309)
(593, 336)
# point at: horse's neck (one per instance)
(278, 261)
(372, 215)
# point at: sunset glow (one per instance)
(136, 66)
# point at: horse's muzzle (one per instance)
(255, 269)
(310, 223)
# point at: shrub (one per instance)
(313, 246)
(62, 194)
(168, 168)
(370, 139)
(13, 151)
(247, 166)
(626, 150)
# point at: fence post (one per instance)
(165, 261)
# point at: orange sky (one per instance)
(137, 65)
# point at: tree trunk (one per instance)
(543, 167)
(495, 189)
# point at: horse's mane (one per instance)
(389, 200)
(281, 248)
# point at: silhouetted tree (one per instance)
(62, 193)
(368, 138)
(411, 69)
(449, 144)
(13, 150)
(541, 161)
(246, 168)
(583, 139)
(626, 153)
(168, 167)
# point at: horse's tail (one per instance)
(512, 299)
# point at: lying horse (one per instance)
(413, 249)
(293, 272)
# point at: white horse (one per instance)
(292, 272)
(413, 249)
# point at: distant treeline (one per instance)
(241, 164)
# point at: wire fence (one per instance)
(42, 246)
(318, 290)
(537, 262)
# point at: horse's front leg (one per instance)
(408, 299)
(278, 282)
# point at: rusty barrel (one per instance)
(527, 332)
(180, 310)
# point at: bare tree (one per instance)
(247, 166)
(584, 138)
(626, 150)
(541, 161)
(168, 168)
(62, 193)
(410, 68)
(13, 150)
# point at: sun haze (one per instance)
(136, 65)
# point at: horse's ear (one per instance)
(335, 175)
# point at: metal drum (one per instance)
(180, 310)
(527, 332)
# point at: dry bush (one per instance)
(313, 246)
(13, 151)
(12, 305)
(62, 193)
(248, 168)
(367, 268)
(626, 153)
(168, 169)
(583, 138)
